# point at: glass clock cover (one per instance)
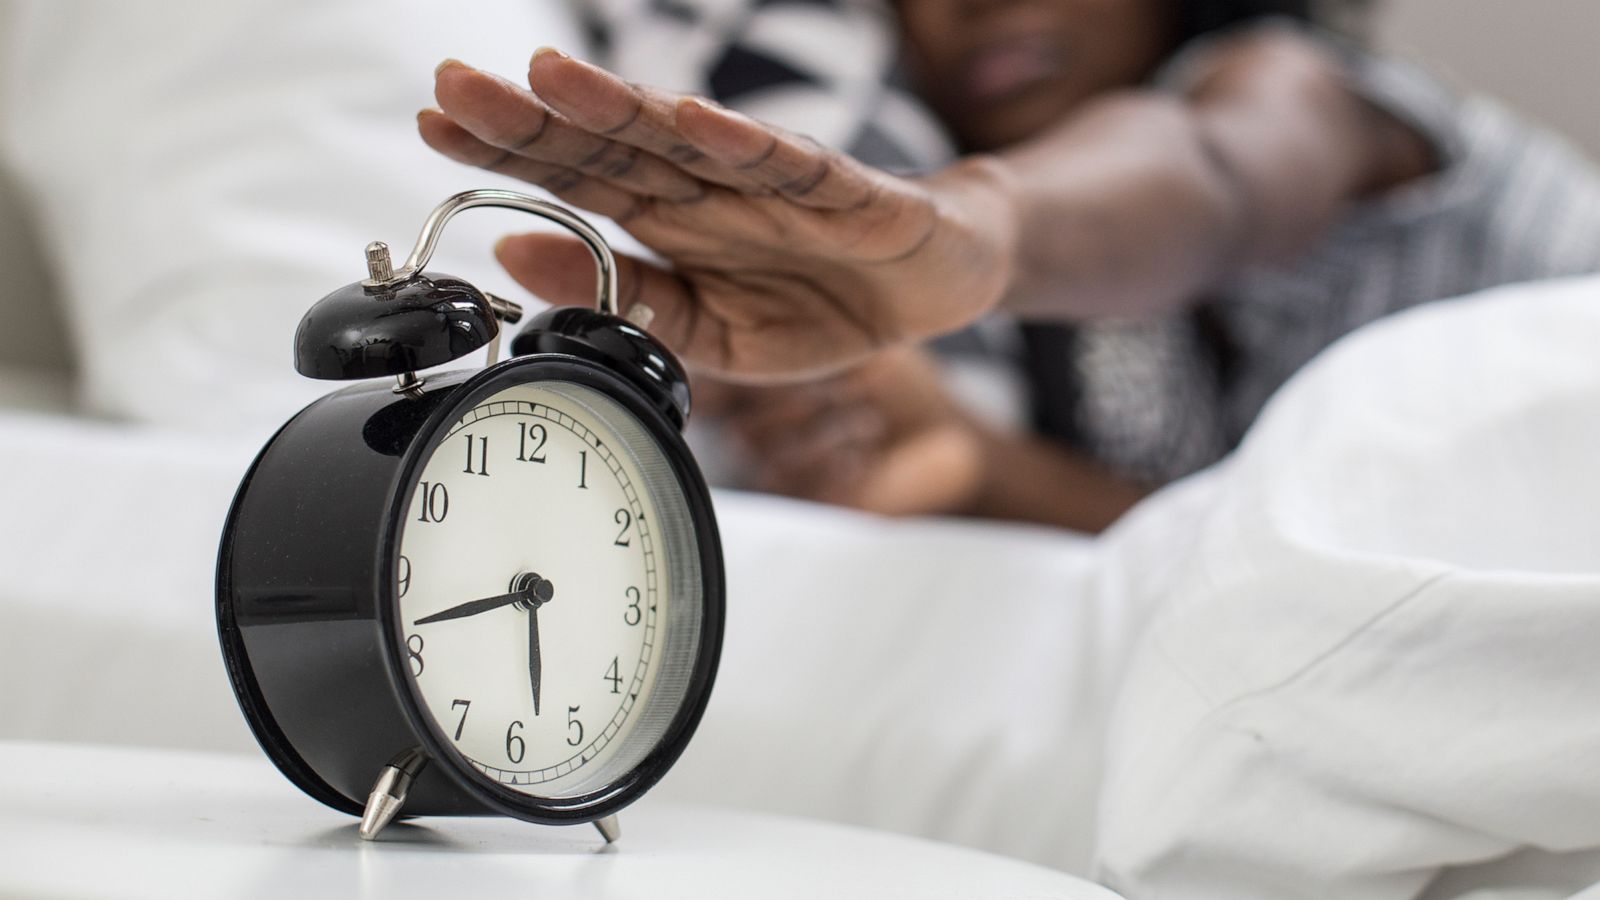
(547, 586)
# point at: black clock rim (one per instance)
(697, 693)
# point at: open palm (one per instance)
(782, 257)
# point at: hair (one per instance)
(1196, 17)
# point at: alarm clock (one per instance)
(492, 591)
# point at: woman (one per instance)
(1214, 212)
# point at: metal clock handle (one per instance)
(379, 265)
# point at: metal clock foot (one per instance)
(389, 793)
(609, 829)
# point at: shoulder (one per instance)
(1301, 77)
(1274, 57)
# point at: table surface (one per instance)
(101, 821)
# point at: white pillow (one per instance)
(205, 171)
(1376, 672)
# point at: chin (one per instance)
(1012, 122)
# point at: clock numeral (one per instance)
(414, 654)
(435, 502)
(615, 677)
(465, 705)
(625, 519)
(405, 575)
(572, 722)
(583, 469)
(482, 456)
(515, 746)
(528, 434)
(633, 615)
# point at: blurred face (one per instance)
(1000, 71)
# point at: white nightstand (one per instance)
(100, 821)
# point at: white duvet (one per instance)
(1375, 675)
(1367, 644)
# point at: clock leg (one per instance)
(389, 793)
(609, 829)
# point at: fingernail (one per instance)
(549, 51)
(429, 111)
(500, 245)
(447, 64)
(715, 108)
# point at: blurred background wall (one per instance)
(1537, 55)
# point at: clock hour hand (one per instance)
(534, 592)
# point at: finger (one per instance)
(593, 194)
(791, 417)
(797, 168)
(721, 211)
(512, 120)
(860, 429)
(832, 479)
(594, 99)
(830, 462)
(561, 270)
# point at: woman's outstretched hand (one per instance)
(783, 258)
(888, 437)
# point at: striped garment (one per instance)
(1510, 203)
(1156, 399)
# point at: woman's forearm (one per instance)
(1144, 200)
(1119, 212)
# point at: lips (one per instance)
(1003, 69)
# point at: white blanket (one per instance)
(944, 679)
(1376, 672)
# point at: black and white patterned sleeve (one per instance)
(823, 68)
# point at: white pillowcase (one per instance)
(205, 171)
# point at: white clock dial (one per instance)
(535, 585)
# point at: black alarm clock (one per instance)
(494, 591)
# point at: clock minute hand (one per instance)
(534, 666)
(529, 595)
(543, 592)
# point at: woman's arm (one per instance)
(783, 258)
(1144, 199)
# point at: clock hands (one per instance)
(529, 592)
(532, 593)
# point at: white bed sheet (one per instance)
(937, 678)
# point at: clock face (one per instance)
(547, 589)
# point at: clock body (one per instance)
(367, 571)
